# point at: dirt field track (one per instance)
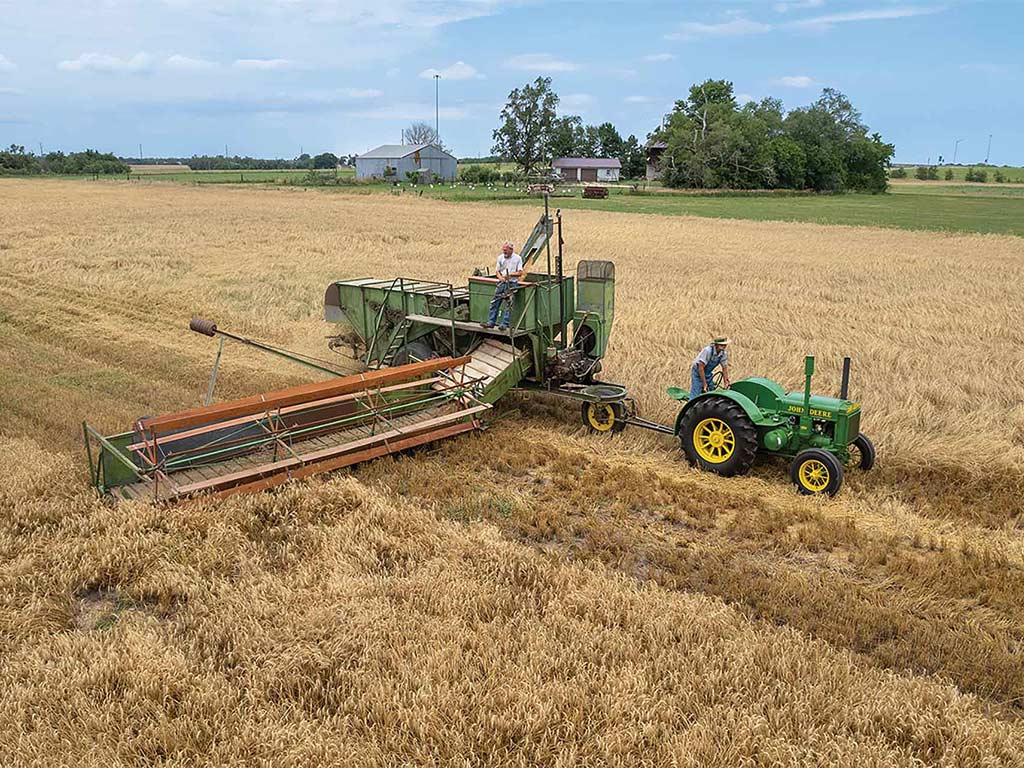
(529, 595)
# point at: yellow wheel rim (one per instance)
(714, 440)
(601, 416)
(814, 475)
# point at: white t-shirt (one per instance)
(508, 264)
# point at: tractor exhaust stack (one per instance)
(844, 387)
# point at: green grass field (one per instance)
(1013, 173)
(955, 189)
(982, 208)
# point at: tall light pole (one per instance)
(955, 146)
(437, 112)
(989, 150)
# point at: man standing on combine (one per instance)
(703, 368)
(508, 269)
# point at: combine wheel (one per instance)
(604, 417)
(815, 471)
(717, 435)
(412, 352)
(862, 453)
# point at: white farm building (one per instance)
(587, 168)
(395, 161)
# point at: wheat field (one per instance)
(530, 594)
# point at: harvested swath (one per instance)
(332, 624)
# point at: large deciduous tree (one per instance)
(527, 121)
(713, 142)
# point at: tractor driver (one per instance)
(509, 269)
(703, 368)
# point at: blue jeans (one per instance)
(500, 292)
(696, 387)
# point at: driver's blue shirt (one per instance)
(711, 360)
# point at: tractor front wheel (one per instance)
(604, 417)
(815, 471)
(863, 454)
(717, 435)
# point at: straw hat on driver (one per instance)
(722, 340)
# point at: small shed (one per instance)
(587, 168)
(396, 161)
(655, 150)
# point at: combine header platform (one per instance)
(262, 441)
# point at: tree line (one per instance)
(710, 141)
(15, 160)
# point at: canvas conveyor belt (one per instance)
(260, 442)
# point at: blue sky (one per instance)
(268, 78)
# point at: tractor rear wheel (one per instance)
(603, 417)
(862, 454)
(717, 435)
(815, 471)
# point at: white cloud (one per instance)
(6, 65)
(187, 63)
(410, 111)
(871, 14)
(10, 91)
(460, 70)
(796, 81)
(576, 100)
(660, 57)
(737, 27)
(281, 102)
(104, 62)
(789, 5)
(984, 68)
(262, 64)
(350, 13)
(639, 99)
(539, 62)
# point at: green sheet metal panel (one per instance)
(507, 379)
(113, 471)
(481, 291)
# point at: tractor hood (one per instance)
(821, 407)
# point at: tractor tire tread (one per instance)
(734, 415)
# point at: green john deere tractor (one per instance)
(724, 430)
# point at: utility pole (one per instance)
(437, 112)
(956, 146)
(40, 149)
(989, 150)
(140, 151)
(225, 150)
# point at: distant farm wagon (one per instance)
(402, 162)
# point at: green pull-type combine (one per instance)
(558, 331)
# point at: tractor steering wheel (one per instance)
(716, 380)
